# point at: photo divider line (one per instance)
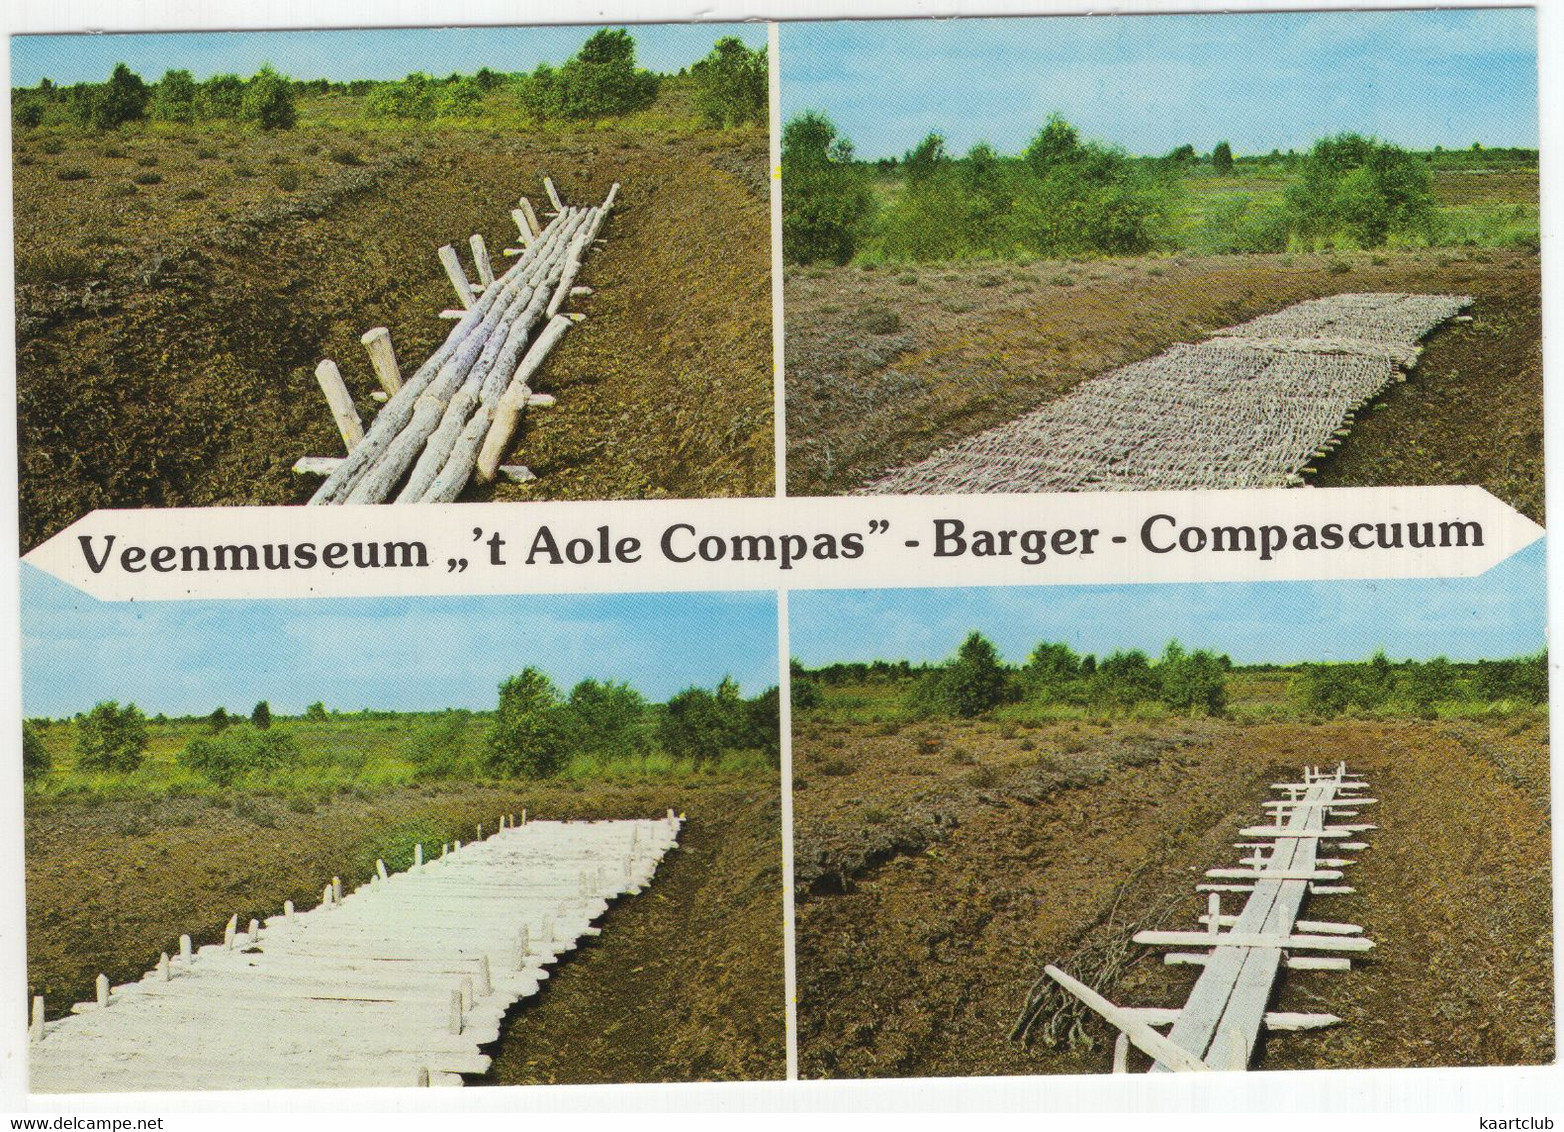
(789, 943)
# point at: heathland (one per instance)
(958, 828)
(186, 253)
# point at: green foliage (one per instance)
(174, 98)
(221, 98)
(971, 683)
(460, 98)
(600, 81)
(27, 111)
(408, 100)
(702, 726)
(107, 106)
(1222, 158)
(1381, 686)
(261, 716)
(111, 738)
(36, 761)
(439, 749)
(1062, 197)
(268, 101)
(605, 721)
(316, 712)
(731, 84)
(1192, 681)
(240, 752)
(827, 201)
(219, 720)
(1360, 191)
(525, 739)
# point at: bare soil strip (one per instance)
(1250, 407)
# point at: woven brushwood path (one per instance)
(1250, 407)
(398, 983)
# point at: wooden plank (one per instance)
(1145, 1039)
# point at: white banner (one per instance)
(800, 543)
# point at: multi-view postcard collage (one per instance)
(1000, 547)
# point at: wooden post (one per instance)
(458, 277)
(185, 950)
(553, 194)
(1214, 912)
(531, 216)
(524, 815)
(163, 971)
(231, 931)
(480, 259)
(377, 342)
(467, 992)
(36, 1031)
(336, 890)
(522, 227)
(287, 909)
(457, 846)
(1121, 1053)
(255, 930)
(326, 895)
(418, 854)
(380, 868)
(454, 1024)
(480, 831)
(341, 402)
(485, 987)
(103, 990)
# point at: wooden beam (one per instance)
(1295, 941)
(480, 259)
(377, 342)
(458, 277)
(1147, 1040)
(343, 411)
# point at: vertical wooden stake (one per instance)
(255, 930)
(163, 971)
(1214, 912)
(467, 995)
(485, 987)
(326, 897)
(532, 217)
(480, 259)
(524, 815)
(378, 343)
(36, 1030)
(287, 909)
(336, 890)
(455, 1022)
(103, 990)
(1121, 1053)
(380, 868)
(553, 194)
(458, 846)
(341, 402)
(458, 277)
(423, 1077)
(480, 831)
(231, 931)
(186, 952)
(521, 226)
(418, 854)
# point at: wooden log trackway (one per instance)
(1219, 1026)
(398, 983)
(457, 414)
(1253, 406)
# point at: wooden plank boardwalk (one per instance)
(1219, 1026)
(398, 983)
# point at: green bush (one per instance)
(261, 716)
(268, 101)
(525, 738)
(460, 98)
(605, 721)
(240, 752)
(731, 84)
(221, 97)
(36, 761)
(174, 98)
(439, 749)
(599, 81)
(27, 112)
(1362, 192)
(702, 726)
(971, 683)
(109, 105)
(408, 100)
(316, 712)
(826, 201)
(1222, 158)
(111, 738)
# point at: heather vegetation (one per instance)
(1067, 196)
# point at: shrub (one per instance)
(316, 712)
(1222, 158)
(458, 99)
(827, 202)
(268, 101)
(606, 721)
(174, 98)
(525, 738)
(1191, 681)
(969, 684)
(221, 97)
(261, 715)
(346, 157)
(288, 180)
(27, 113)
(730, 84)
(148, 178)
(239, 752)
(439, 750)
(122, 99)
(599, 81)
(111, 738)
(409, 100)
(74, 173)
(219, 720)
(36, 762)
(1362, 191)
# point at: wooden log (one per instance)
(103, 991)
(480, 259)
(382, 357)
(523, 230)
(36, 1030)
(518, 394)
(457, 276)
(1121, 1053)
(341, 402)
(553, 194)
(1147, 1040)
(1253, 939)
(1318, 963)
(530, 216)
(1276, 874)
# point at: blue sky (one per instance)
(408, 654)
(365, 54)
(1261, 81)
(1499, 614)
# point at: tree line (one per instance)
(1064, 195)
(535, 731)
(728, 89)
